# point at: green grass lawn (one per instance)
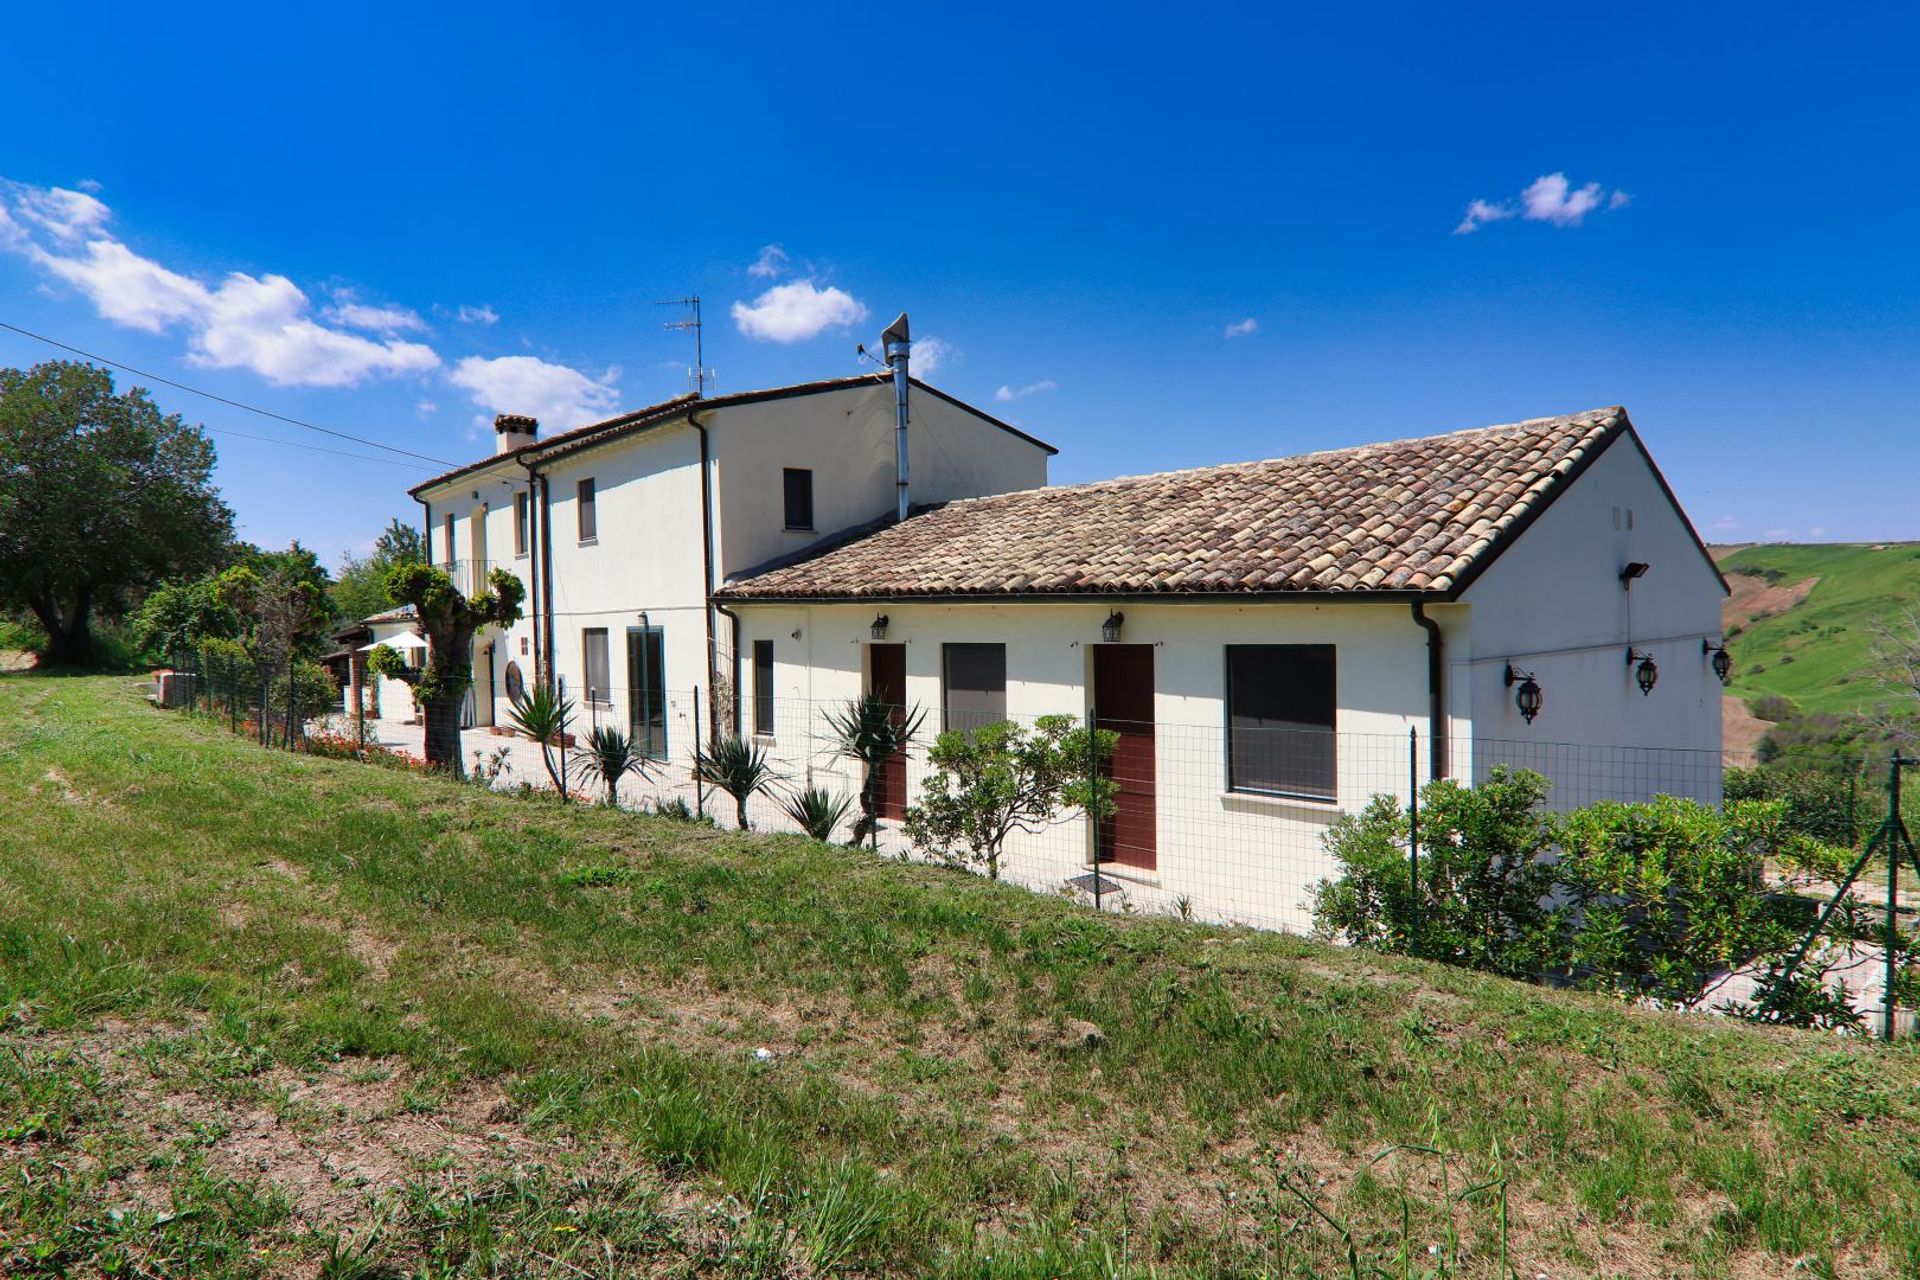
(1818, 653)
(273, 1015)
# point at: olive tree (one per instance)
(450, 618)
(101, 495)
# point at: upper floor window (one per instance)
(520, 538)
(798, 483)
(447, 527)
(763, 687)
(1280, 718)
(973, 685)
(588, 509)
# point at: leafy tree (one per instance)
(178, 616)
(739, 768)
(100, 493)
(990, 782)
(449, 618)
(360, 589)
(873, 731)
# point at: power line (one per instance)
(236, 404)
(313, 448)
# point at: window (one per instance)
(593, 648)
(973, 685)
(763, 687)
(799, 491)
(519, 524)
(1280, 709)
(647, 691)
(447, 556)
(589, 513)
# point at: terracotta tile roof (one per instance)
(1412, 516)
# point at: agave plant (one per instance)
(873, 731)
(543, 715)
(738, 768)
(817, 810)
(610, 756)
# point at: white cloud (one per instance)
(482, 314)
(559, 396)
(261, 324)
(1007, 395)
(426, 408)
(796, 311)
(932, 354)
(1549, 198)
(1725, 524)
(359, 315)
(1818, 531)
(91, 186)
(1243, 328)
(1479, 214)
(770, 265)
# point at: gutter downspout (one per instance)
(1436, 693)
(539, 534)
(706, 552)
(546, 575)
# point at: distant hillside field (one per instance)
(1801, 617)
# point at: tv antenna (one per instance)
(699, 375)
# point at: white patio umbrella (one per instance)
(406, 643)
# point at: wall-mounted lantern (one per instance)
(1722, 660)
(1110, 629)
(879, 629)
(1646, 674)
(1528, 696)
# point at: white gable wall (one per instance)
(1552, 604)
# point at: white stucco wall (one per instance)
(1236, 856)
(1553, 605)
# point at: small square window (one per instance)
(1281, 703)
(798, 482)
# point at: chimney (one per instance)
(898, 344)
(513, 431)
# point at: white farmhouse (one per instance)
(1276, 642)
(620, 531)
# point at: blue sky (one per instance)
(1158, 237)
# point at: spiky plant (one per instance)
(873, 731)
(818, 810)
(543, 714)
(739, 768)
(611, 756)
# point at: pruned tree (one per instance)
(100, 494)
(1896, 668)
(449, 617)
(990, 782)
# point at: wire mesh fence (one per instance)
(1216, 822)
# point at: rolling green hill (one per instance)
(1817, 652)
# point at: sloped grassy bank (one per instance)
(278, 1015)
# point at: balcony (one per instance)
(471, 575)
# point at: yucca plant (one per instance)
(817, 810)
(543, 715)
(610, 756)
(739, 768)
(873, 731)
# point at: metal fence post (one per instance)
(699, 787)
(1093, 801)
(1896, 829)
(1413, 833)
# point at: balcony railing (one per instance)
(471, 575)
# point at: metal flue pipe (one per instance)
(898, 343)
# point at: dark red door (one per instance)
(1123, 702)
(887, 676)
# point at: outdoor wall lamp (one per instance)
(1528, 697)
(1110, 629)
(1722, 660)
(1631, 570)
(879, 628)
(1646, 674)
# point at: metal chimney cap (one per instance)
(896, 332)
